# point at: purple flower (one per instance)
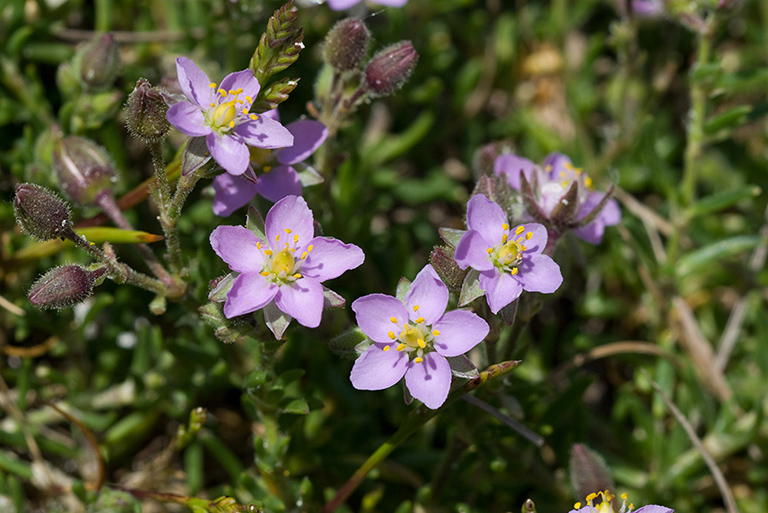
(221, 115)
(287, 268)
(605, 505)
(341, 5)
(551, 183)
(279, 177)
(413, 339)
(509, 259)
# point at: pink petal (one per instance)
(500, 289)
(486, 217)
(188, 119)
(538, 240)
(377, 369)
(292, 214)
(308, 136)
(232, 192)
(241, 80)
(429, 293)
(236, 245)
(278, 183)
(302, 300)
(652, 508)
(193, 82)
(472, 251)
(229, 151)
(264, 133)
(374, 314)
(511, 166)
(249, 292)
(430, 380)
(330, 258)
(391, 3)
(460, 331)
(340, 5)
(539, 273)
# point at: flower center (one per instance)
(416, 338)
(227, 109)
(508, 254)
(281, 264)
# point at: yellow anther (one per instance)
(245, 111)
(212, 104)
(436, 333)
(568, 165)
(624, 496)
(277, 238)
(415, 308)
(292, 250)
(386, 348)
(253, 116)
(563, 174)
(520, 229)
(421, 343)
(418, 359)
(297, 276)
(233, 92)
(296, 238)
(504, 238)
(391, 335)
(268, 252)
(212, 85)
(548, 168)
(248, 99)
(304, 255)
(489, 250)
(232, 124)
(523, 248)
(239, 90)
(310, 248)
(393, 320)
(264, 273)
(266, 169)
(514, 271)
(222, 92)
(528, 235)
(591, 497)
(287, 230)
(258, 245)
(419, 320)
(400, 347)
(577, 506)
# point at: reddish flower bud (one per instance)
(446, 267)
(346, 44)
(588, 471)
(98, 61)
(41, 213)
(390, 68)
(64, 286)
(83, 169)
(145, 112)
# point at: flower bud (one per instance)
(346, 44)
(41, 213)
(588, 471)
(83, 169)
(446, 267)
(98, 61)
(64, 286)
(145, 112)
(390, 68)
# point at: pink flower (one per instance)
(341, 5)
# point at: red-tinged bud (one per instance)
(445, 265)
(64, 286)
(390, 68)
(145, 112)
(588, 471)
(83, 169)
(98, 61)
(41, 213)
(346, 44)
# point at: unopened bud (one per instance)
(98, 61)
(83, 169)
(390, 68)
(145, 112)
(64, 286)
(588, 471)
(446, 267)
(41, 212)
(346, 44)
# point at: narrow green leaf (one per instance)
(96, 235)
(708, 255)
(723, 200)
(728, 119)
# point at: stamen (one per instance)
(245, 111)
(391, 335)
(258, 245)
(212, 104)
(248, 99)
(489, 250)
(415, 308)
(514, 271)
(386, 348)
(400, 347)
(436, 333)
(504, 238)
(304, 256)
(287, 230)
(421, 343)
(264, 273)
(297, 276)
(520, 229)
(233, 92)
(268, 252)
(222, 92)
(310, 248)
(419, 320)
(239, 90)
(577, 506)
(505, 226)
(418, 359)
(528, 235)
(296, 238)
(212, 85)
(393, 320)
(232, 124)
(253, 116)
(277, 238)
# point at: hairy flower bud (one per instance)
(145, 112)
(445, 265)
(41, 213)
(588, 471)
(98, 61)
(83, 169)
(390, 68)
(346, 44)
(64, 286)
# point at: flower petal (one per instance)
(430, 380)
(236, 245)
(229, 151)
(278, 183)
(555, 164)
(538, 240)
(511, 166)
(539, 273)
(460, 331)
(188, 119)
(500, 289)
(377, 369)
(374, 314)
(340, 5)
(287, 219)
(241, 80)
(652, 508)
(592, 233)
(302, 300)
(308, 135)
(330, 258)
(486, 217)
(429, 293)
(249, 292)
(391, 3)
(193, 82)
(264, 132)
(232, 192)
(472, 251)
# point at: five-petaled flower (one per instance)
(509, 259)
(222, 115)
(412, 339)
(341, 5)
(287, 268)
(604, 506)
(551, 183)
(278, 177)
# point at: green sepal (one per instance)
(255, 223)
(451, 236)
(403, 286)
(470, 290)
(274, 94)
